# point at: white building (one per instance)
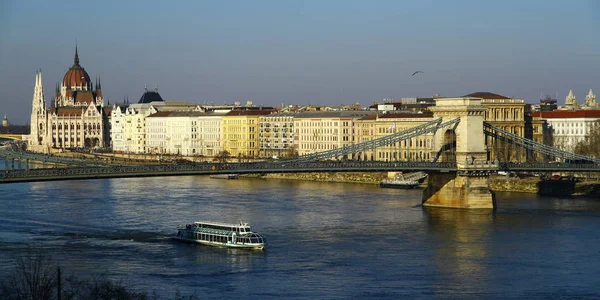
(569, 127)
(128, 122)
(187, 133)
(210, 133)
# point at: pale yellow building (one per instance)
(317, 131)
(241, 132)
(380, 125)
(509, 114)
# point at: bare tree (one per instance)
(591, 145)
(222, 156)
(34, 278)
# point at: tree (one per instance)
(33, 278)
(222, 156)
(591, 145)
(292, 151)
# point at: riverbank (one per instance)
(497, 183)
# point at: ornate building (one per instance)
(5, 122)
(77, 117)
(590, 101)
(571, 101)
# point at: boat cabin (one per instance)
(241, 228)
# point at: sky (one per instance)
(301, 52)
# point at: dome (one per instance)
(76, 75)
(486, 95)
(5, 122)
(150, 96)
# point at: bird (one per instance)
(415, 73)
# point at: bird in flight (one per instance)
(415, 73)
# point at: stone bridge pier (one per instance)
(465, 143)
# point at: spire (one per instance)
(590, 99)
(76, 60)
(570, 100)
(145, 88)
(156, 88)
(99, 84)
(590, 95)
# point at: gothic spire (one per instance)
(76, 60)
(99, 85)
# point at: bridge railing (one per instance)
(233, 168)
(550, 167)
(529, 144)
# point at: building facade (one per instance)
(317, 131)
(383, 124)
(277, 135)
(241, 132)
(76, 118)
(568, 128)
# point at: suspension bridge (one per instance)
(458, 170)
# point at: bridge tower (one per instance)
(469, 187)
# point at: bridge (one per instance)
(458, 171)
(10, 136)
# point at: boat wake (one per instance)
(76, 231)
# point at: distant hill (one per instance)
(15, 129)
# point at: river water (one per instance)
(326, 240)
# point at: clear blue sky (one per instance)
(300, 52)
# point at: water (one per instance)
(326, 240)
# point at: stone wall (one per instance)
(514, 184)
(353, 177)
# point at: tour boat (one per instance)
(221, 234)
(405, 181)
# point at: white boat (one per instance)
(221, 234)
(225, 176)
(405, 181)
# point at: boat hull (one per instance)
(399, 186)
(252, 246)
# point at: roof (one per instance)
(66, 111)
(566, 114)
(334, 114)
(83, 96)
(486, 95)
(249, 112)
(76, 75)
(160, 114)
(150, 96)
(406, 115)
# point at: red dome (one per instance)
(76, 75)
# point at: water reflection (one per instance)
(461, 253)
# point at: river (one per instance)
(326, 240)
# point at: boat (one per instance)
(225, 176)
(221, 234)
(404, 181)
